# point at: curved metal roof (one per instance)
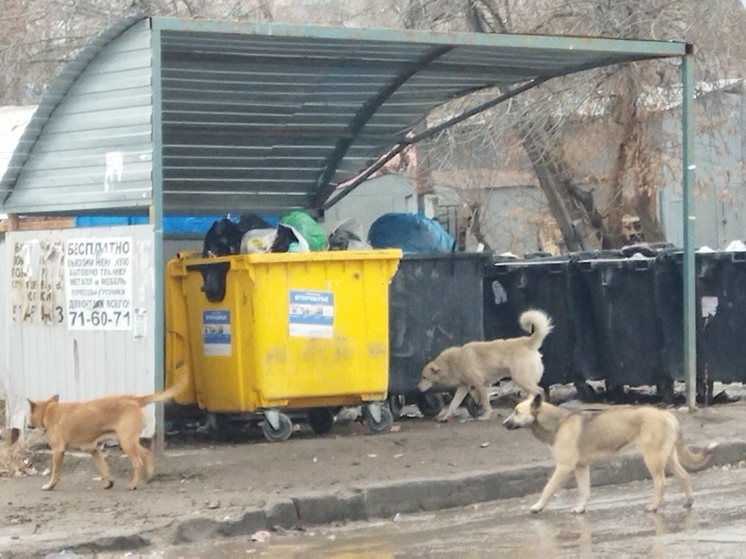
(52, 97)
(270, 117)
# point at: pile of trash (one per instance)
(295, 232)
(15, 460)
(299, 232)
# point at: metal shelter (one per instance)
(171, 116)
(262, 117)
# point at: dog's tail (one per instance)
(538, 324)
(694, 461)
(169, 394)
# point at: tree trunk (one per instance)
(572, 207)
(475, 226)
(646, 203)
(650, 227)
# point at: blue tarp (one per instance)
(413, 233)
(171, 224)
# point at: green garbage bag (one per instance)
(307, 226)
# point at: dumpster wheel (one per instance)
(218, 426)
(430, 404)
(281, 429)
(585, 391)
(396, 404)
(665, 389)
(378, 418)
(321, 420)
(474, 408)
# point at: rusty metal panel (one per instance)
(80, 308)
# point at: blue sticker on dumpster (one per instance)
(216, 332)
(311, 313)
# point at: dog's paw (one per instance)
(651, 508)
(484, 417)
(538, 507)
(109, 484)
(441, 418)
(689, 502)
(580, 509)
(47, 486)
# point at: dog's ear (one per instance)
(55, 398)
(536, 402)
(31, 403)
(435, 368)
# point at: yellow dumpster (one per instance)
(265, 332)
(177, 351)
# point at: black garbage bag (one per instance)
(224, 236)
(249, 222)
(285, 237)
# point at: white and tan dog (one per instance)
(580, 438)
(83, 425)
(478, 365)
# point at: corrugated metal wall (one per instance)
(720, 186)
(510, 218)
(96, 148)
(373, 198)
(4, 277)
(47, 357)
(254, 118)
(725, 162)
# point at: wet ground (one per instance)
(198, 476)
(615, 525)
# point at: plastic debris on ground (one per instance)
(260, 536)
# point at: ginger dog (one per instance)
(83, 425)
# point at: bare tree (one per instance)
(38, 37)
(546, 130)
(591, 205)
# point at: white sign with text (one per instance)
(98, 283)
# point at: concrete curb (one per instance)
(111, 542)
(385, 500)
